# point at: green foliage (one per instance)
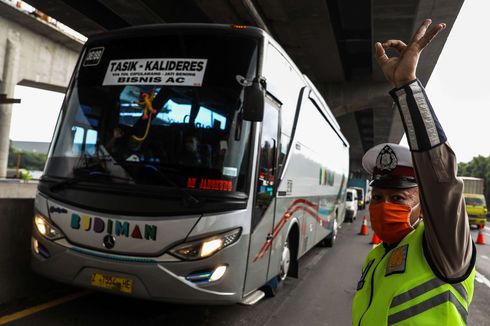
(28, 160)
(478, 167)
(25, 175)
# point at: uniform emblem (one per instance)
(397, 261)
(386, 160)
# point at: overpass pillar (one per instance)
(10, 78)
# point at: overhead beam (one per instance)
(256, 16)
(348, 97)
(304, 29)
(61, 11)
(134, 12)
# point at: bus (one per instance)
(190, 163)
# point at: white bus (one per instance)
(190, 163)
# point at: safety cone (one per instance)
(375, 239)
(480, 239)
(364, 227)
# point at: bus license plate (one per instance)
(113, 283)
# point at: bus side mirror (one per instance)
(254, 100)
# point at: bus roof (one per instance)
(156, 29)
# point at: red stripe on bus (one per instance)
(293, 208)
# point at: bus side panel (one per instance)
(315, 173)
(310, 189)
(316, 202)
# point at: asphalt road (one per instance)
(321, 296)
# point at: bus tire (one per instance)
(330, 239)
(288, 267)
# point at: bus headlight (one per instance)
(206, 247)
(45, 228)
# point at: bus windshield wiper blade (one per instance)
(94, 174)
(189, 199)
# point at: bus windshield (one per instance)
(162, 110)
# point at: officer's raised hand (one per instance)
(402, 70)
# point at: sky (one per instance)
(458, 90)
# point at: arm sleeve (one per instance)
(448, 243)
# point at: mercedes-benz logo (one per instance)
(109, 241)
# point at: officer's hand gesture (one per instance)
(402, 70)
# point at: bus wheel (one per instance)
(329, 240)
(274, 285)
(285, 262)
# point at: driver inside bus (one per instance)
(190, 155)
(129, 149)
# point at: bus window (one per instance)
(78, 135)
(285, 139)
(157, 132)
(90, 141)
(267, 163)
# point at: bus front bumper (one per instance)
(165, 281)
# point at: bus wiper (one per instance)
(189, 199)
(93, 174)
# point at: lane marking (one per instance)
(480, 278)
(484, 257)
(41, 307)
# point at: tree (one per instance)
(28, 160)
(478, 167)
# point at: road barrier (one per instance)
(480, 239)
(364, 227)
(375, 239)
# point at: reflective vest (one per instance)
(398, 287)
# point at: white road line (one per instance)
(487, 228)
(480, 278)
(483, 256)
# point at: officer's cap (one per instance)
(390, 166)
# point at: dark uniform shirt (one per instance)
(448, 245)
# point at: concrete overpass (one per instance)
(330, 40)
(34, 54)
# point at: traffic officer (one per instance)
(423, 272)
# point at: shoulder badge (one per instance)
(386, 160)
(397, 261)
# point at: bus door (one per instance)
(264, 203)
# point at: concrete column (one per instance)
(9, 80)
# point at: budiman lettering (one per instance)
(119, 228)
